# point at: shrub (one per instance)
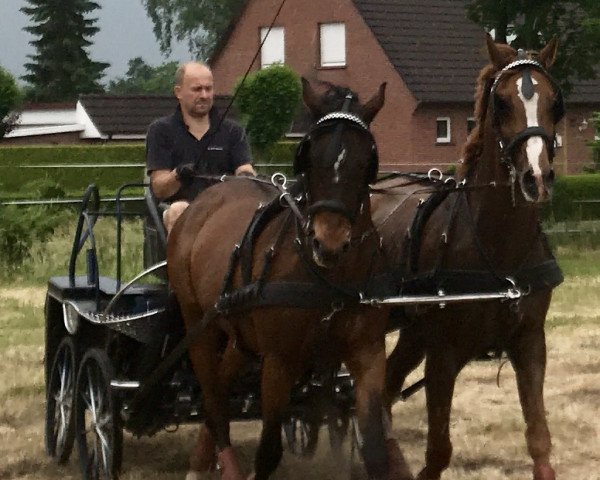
(20, 227)
(568, 190)
(268, 100)
(10, 97)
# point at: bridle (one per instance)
(509, 146)
(336, 122)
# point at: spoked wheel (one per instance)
(302, 436)
(60, 402)
(337, 427)
(357, 469)
(98, 427)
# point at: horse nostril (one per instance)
(345, 247)
(529, 179)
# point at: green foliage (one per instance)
(595, 145)
(17, 182)
(20, 228)
(533, 24)
(144, 78)
(10, 97)
(268, 100)
(72, 180)
(568, 190)
(201, 24)
(61, 68)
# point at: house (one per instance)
(96, 118)
(427, 51)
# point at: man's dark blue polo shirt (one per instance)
(220, 151)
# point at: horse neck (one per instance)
(501, 225)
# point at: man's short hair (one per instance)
(180, 72)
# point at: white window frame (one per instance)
(330, 32)
(448, 137)
(273, 50)
(559, 140)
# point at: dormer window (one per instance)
(273, 50)
(333, 44)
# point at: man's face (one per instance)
(196, 92)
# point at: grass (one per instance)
(487, 427)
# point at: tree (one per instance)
(144, 78)
(10, 97)
(200, 23)
(268, 100)
(530, 25)
(61, 68)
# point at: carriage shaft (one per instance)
(443, 299)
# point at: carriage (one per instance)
(115, 351)
(115, 356)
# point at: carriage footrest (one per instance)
(124, 384)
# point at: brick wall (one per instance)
(404, 129)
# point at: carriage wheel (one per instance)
(302, 436)
(98, 426)
(357, 469)
(60, 400)
(337, 427)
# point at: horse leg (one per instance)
(276, 384)
(406, 356)
(527, 353)
(208, 366)
(382, 456)
(203, 457)
(440, 371)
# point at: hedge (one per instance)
(568, 190)
(74, 180)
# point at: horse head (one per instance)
(524, 105)
(337, 160)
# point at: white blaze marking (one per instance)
(336, 165)
(534, 144)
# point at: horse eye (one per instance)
(502, 106)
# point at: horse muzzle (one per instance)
(537, 187)
(329, 238)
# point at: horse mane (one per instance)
(473, 147)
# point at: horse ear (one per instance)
(374, 104)
(548, 54)
(493, 52)
(311, 99)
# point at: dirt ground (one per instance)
(487, 427)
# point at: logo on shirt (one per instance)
(215, 148)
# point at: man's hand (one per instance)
(185, 173)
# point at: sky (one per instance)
(125, 33)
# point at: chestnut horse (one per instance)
(331, 246)
(468, 237)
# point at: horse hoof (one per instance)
(423, 476)
(193, 475)
(228, 465)
(203, 457)
(398, 468)
(543, 471)
(251, 476)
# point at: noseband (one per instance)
(509, 146)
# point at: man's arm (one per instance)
(246, 169)
(164, 183)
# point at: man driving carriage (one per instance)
(193, 142)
